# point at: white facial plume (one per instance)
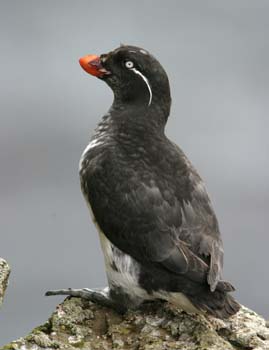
(130, 65)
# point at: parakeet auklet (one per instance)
(158, 231)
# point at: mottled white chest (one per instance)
(91, 145)
(122, 270)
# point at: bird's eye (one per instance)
(129, 64)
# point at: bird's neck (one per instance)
(139, 114)
(137, 119)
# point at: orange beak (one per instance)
(92, 64)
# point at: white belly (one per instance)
(122, 270)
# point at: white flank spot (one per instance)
(143, 52)
(127, 273)
(146, 81)
(92, 144)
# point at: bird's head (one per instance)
(134, 75)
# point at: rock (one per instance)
(4, 274)
(79, 324)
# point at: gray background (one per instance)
(216, 54)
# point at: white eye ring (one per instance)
(129, 64)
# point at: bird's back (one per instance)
(152, 179)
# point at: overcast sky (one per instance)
(216, 54)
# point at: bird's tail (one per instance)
(219, 303)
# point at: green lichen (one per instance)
(15, 345)
(7, 347)
(41, 339)
(78, 324)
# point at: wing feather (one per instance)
(156, 215)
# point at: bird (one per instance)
(158, 230)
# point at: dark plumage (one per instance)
(158, 230)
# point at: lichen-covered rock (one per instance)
(79, 324)
(4, 274)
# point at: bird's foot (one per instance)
(98, 296)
